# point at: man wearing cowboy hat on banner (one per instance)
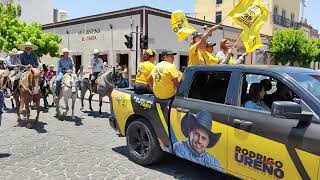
(64, 64)
(13, 59)
(96, 64)
(200, 137)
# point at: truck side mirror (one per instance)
(290, 110)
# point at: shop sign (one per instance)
(89, 34)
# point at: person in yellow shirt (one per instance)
(165, 78)
(143, 72)
(209, 55)
(197, 51)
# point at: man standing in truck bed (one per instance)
(164, 79)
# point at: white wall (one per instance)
(109, 41)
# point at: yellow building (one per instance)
(283, 13)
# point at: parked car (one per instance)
(206, 123)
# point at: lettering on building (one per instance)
(89, 34)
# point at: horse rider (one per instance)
(13, 59)
(64, 64)
(26, 58)
(96, 64)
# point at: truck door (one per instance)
(262, 146)
(198, 121)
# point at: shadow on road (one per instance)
(97, 114)
(4, 155)
(179, 168)
(39, 126)
(77, 121)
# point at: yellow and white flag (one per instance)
(251, 41)
(180, 25)
(250, 15)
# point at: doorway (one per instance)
(77, 62)
(104, 58)
(123, 59)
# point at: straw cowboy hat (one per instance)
(65, 50)
(51, 65)
(95, 51)
(14, 51)
(28, 44)
(203, 120)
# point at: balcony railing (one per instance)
(285, 22)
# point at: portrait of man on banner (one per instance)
(197, 128)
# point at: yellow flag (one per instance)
(250, 15)
(180, 25)
(251, 41)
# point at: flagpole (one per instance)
(236, 42)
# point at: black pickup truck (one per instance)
(206, 122)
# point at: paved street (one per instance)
(85, 148)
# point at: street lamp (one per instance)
(67, 31)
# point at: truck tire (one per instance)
(142, 143)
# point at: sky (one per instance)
(80, 8)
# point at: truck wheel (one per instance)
(144, 148)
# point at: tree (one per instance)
(14, 32)
(291, 46)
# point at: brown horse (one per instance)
(29, 90)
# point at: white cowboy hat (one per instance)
(51, 65)
(28, 44)
(65, 50)
(95, 51)
(14, 51)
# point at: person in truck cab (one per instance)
(282, 94)
(164, 78)
(144, 70)
(197, 128)
(256, 95)
(197, 52)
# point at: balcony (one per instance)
(284, 22)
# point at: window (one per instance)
(210, 86)
(183, 62)
(219, 1)
(283, 14)
(218, 16)
(275, 10)
(274, 90)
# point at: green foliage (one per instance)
(14, 33)
(291, 46)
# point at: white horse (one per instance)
(69, 90)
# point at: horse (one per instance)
(69, 91)
(6, 84)
(105, 84)
(29, 90)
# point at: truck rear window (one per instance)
(210, 86)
